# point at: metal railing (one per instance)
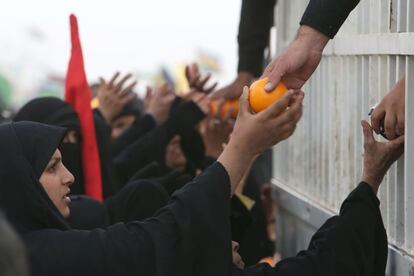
(322, 162)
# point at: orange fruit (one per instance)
(259, 99)
(234, 104)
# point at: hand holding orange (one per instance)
(259, 99)
(225, 109)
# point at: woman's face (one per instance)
(56, 180)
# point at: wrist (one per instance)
(314, 38)
(108, 117)
(372, 180)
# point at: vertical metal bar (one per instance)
(392, 205)
(384, 15)
(382, 87)
(394, 16)
(400, 188)
(409, 155)
(331, 125)
(410, 16)
(402, 16)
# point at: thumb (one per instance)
(244, 105)
(367, 130)
(398, 141)
(275, 75)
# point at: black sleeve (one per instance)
(151, 147)
(190, 236)
(353, 243)
(256, 19)
(134, 132)
(327, 16)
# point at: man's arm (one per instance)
(256, 20)
(327, 16)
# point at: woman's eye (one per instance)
(52, 168)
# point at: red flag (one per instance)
(77, 94)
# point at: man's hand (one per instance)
(234, 89)
(378, 156)
(298, 62)
(159, 102)
(113, 96)
(389, 114)
(196, 81)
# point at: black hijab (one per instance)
(26, 149)
(51, 111)
(56, 112)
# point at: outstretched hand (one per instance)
(378, 156)
(114, 96)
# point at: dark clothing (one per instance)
(190, 236)
(151, 147)
(327, 16)
(353, 243)
(87, 213)
(256, 20)
(256, 244)
(138, 200)
(134, 132)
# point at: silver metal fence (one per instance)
(322, 162)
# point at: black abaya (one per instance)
(190, 236)
(353, 243)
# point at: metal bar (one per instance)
(400, 187)
(372, 44)
(409, 155)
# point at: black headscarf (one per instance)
(24, 157)
(51, 111)
(56, 112)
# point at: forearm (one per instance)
(327, 16)
(236, 161)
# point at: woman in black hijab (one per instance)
(54, 111)
(190, 236)
(136, 201)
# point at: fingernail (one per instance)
(268, 86)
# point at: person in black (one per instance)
(321, 21)
(355, 241)
(256, 20)
(54, 111)
(190, 236)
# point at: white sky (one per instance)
(116, 35)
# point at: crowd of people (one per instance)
(183, 189)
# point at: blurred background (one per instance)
(151, 39)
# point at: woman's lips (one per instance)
(66, 199)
